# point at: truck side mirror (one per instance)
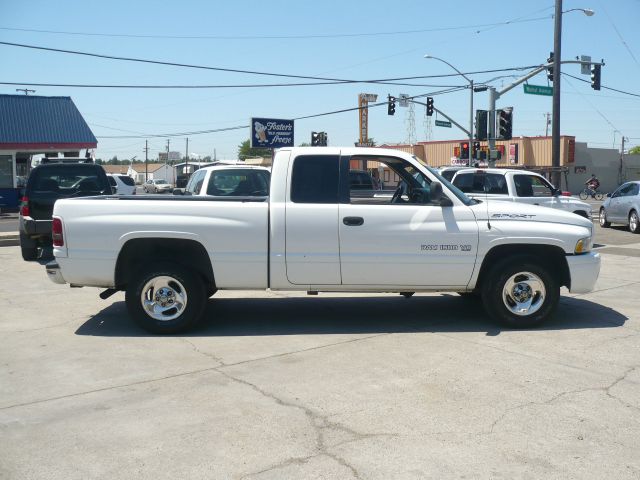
(437, 195)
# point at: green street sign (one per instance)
(538, 90)
(441, 123)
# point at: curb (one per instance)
(9, 239)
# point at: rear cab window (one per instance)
(315, 179)
(481, 182)
(238, 183)
(68, 180)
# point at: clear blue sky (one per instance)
(397, 37)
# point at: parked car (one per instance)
(157, 185)
(47, 183)
(124, 184)
(519, 186)
(228, 180)
(622, 206)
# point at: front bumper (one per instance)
(584, 270)
(54, 273)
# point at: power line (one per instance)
(602, 86)
(239, 127)
(256, 85)
(592, 105)
(283, 37)
(251, 72)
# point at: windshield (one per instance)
(455, 190)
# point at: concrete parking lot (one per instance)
(285, 386)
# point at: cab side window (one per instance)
(531, 186)
(314, 179)
(195, 182)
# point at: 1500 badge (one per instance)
(511, 215)
(447, 247)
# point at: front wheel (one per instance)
(603, 219)
(520, 292)
(634, 222)
(167, 298)
(584, 195)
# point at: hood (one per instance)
(498, 210)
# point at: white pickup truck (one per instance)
(313, 233)
(519, 186)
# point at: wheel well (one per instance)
(138, 252)
(582, 213)
(553, 257)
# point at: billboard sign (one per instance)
(271, 133)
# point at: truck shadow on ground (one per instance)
(357, 315)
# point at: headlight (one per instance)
(583, 245)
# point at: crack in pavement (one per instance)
(184, 374)
(606, 389)
(201, 352)
(320, 424)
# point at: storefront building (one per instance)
(33, 126)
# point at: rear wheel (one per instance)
(520, 292)
(167, 298)
(598, 195)
(634, 222)
(603, 219)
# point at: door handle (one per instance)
(353, 221)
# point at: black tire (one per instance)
(584, 195)
(523, 274)
(634, 222)
(603, 219)
(28, 248)
(173, 281)
(598, 195)
(29, 253)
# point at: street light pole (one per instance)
(470, 103)
(555, 119)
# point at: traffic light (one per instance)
(475, 150)
(318, 139)
(391, 107)
(550, 69)
(481, 124)
(505, 123)
(464, 150)
(595, 76)
(429, 106)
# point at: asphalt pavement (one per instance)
(279, 385)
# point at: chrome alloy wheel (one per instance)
(633, 222)
(523, 293)
(163, 298)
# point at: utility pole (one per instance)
(146, 160)
(186, 165)
(166, 161)
(557, 75)
(548, 121)
(621, 170)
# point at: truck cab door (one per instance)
(402, 238)
(312, 246)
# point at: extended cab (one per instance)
(519, 186)
(313, 234)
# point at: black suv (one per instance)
(47, 183)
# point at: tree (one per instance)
(304, 144)
(245, 151)
(635, 150)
